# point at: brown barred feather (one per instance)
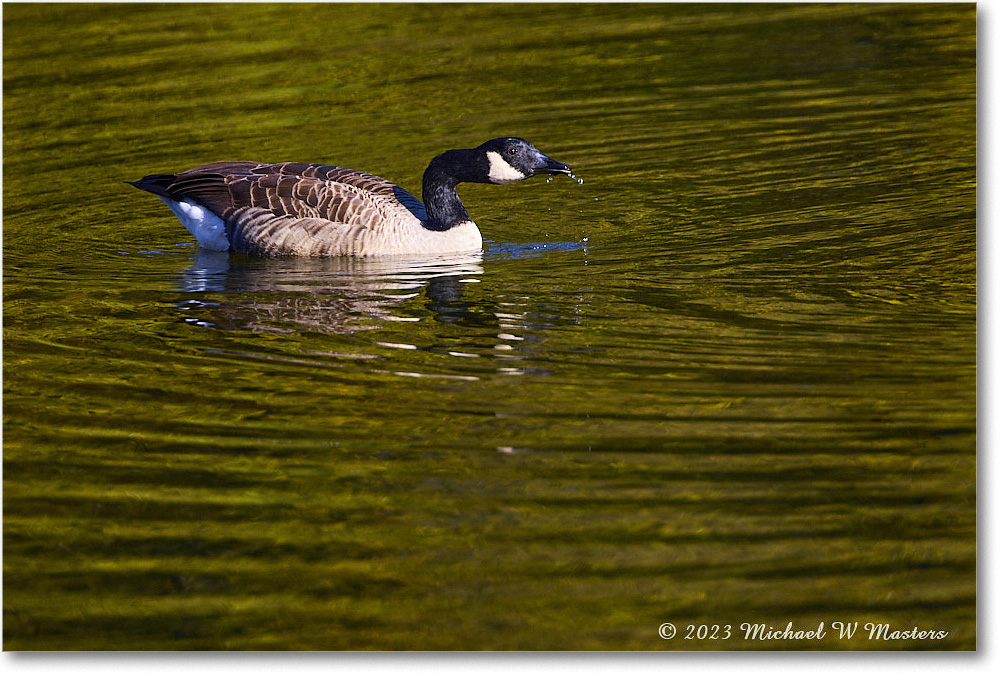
(294, 207)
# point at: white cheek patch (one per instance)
(501, 171)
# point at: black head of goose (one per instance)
(313, 209)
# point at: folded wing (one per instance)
(293, 208)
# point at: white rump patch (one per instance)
(501, 171)
(206, 227)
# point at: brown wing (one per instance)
(292, 207)
(293, 188)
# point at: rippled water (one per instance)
(729, 378)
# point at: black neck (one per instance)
(445, 172)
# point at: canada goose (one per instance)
(316, 210)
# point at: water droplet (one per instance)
(549, 179)
(578, 180)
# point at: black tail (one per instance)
(157, 183)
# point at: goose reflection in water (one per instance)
(327, 295)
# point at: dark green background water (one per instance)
(730, 378)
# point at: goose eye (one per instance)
(512, 151)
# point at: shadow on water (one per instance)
(340, 295)
(321, 294)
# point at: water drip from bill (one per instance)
(573, 176)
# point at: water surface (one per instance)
(730, 378)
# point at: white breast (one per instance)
(413, 238)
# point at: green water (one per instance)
(730, 378)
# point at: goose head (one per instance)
(508, 160)
(502, 160)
